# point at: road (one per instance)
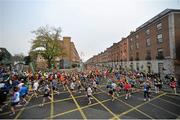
(69, 105)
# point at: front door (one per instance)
(160, 69)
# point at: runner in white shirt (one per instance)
(35, 88)
(72, 85)
(89, 94)
(94, 85)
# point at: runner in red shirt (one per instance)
(127, 88)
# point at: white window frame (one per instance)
(159, 26)
(160, 38)
(147, 32)
(148, 42)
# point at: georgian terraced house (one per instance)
(153, 47)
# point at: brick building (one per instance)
(152, 47)
(70, 57)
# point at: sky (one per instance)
(93, 25)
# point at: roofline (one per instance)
(161, 14)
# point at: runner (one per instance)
(146, 90)
(127, 88)
(46, 95)
(94, 85)
(72, 86)
(15, 100)
(55, 86)
(35, 88)
(89, 94)
(23, 93)
(156, 85)
(173, 84)
(3, 96)
(79, 86)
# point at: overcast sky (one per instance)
(93, 25)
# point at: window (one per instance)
(137, 36)
(147, 32)
(159, 38)
(148, 42)
(159, 26)
(131, 58)
(131, 47)
(137, 45)
(160, 53)
(137, 56)
(131, 39)
(148, 55)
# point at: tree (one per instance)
(47, 44)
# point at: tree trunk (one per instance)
(49, 64)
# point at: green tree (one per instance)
(47, 44)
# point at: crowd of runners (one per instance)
(16, 89)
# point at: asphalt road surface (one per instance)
(69, 105)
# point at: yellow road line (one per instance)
(129, 105)
(135, 108)
(78, 107)
(54, 94)
(170, 102)
(172, 96)
(52, 104)
(115, 116)
(20, 112)
(33, 106)
(140, 105)
(177, 94)
(163, 109)
(69, 111)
